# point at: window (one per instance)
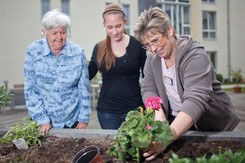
(45, 6)
(179, 13)
(213, 58)
(126, 11)
(209, 25)
(65, 8)
(184, 1)
(108, 3)
(209, 1)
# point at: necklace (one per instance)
(119, 48)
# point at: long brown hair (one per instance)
(105, 50)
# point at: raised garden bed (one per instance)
(63, 144)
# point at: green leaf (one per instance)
(113, 151)
(176, 159)
(124, 127)
(136, 155)
(133, 114)
(163, 133)
(122, 156)
(142, 139)
(237, 156)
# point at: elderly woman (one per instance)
(179, 70)
(56, 78)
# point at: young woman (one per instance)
(119, 58)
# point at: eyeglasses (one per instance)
(154, 42)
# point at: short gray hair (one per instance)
(53, 19)
(150, 22)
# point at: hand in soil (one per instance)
(153, 150)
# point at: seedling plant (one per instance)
(226, 157)
(29, 131)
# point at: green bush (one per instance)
(236, 74)
(219, 77)
(226, 80)
(5, 96)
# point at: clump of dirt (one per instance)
(57, 150)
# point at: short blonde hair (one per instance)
(155, 20)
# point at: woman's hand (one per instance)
(159, 115)
(45, 128)
(82, 125)
(153, 150)
(180, 125)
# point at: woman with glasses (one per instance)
(179, 70)
(120, 58)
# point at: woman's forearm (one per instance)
(181, 124)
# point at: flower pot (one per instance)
(90, 154)
(237, 89)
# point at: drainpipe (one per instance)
(228, 41)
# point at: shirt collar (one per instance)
(46, 49)
(66, 50)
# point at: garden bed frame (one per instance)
(102, 134)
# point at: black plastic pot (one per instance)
(91, 154)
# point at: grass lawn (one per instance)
(232, 83)
(231, 89)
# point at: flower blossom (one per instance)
(148, 127)
(153, 103)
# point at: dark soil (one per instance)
(62, 150)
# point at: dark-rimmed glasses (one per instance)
(154, 42)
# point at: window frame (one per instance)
(175, 10)
(208, 25)
(208, 1)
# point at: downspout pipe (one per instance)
(228, 37)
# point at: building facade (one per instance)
(20, 25)
(217, 24)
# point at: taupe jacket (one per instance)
(200, 92)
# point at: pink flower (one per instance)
(153, 102)
(148, 127)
